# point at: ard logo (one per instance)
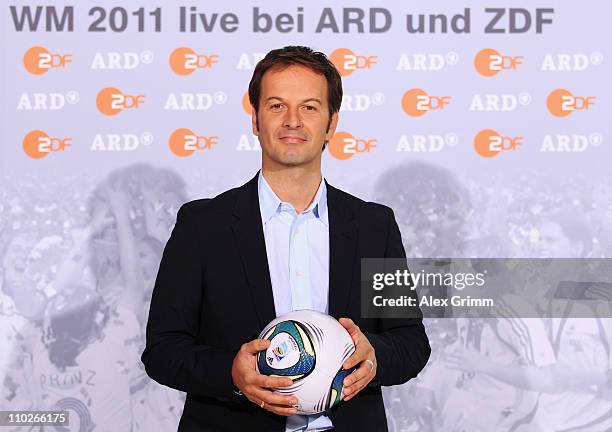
(270, 360)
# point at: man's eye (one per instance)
(310, 108)
(275, 106)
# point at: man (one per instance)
(285, 240)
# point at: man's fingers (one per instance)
(360, 354)
(358, 374)
(351, 391)
(353, 330)
(271, 382)
(354, 388)
(256, 345)
(346, 321)
(358, 379)
(280, 410)
(271, 398)
(276, 409)
(349, 325)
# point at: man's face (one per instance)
(293, 117)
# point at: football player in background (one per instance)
(574, 384)
(85, 355)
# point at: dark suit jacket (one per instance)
(213, 293)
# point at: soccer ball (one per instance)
(309, 347)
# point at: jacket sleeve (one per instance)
(401, 345)
(172, 355)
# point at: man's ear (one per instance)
(254, 121)
(331, 129)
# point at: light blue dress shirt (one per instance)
(297, 246)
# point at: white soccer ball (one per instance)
(309, 347)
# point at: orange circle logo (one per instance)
(31, 144)
(184, 61)
(556, 102)
(416, 102)
(179, 60)
(106, 101)
(482, 62)
(412, 102)
(347, 62)
(37, 144)
(179, 140)
(184, 142)
(337, 145)
(482, 143)
(344, 145)
(338, 58)
(31, 60)
(489, 62)
(488, 143)
(111, 101)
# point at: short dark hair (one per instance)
(316, 61)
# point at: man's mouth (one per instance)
(292, 139)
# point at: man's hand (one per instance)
(255, 386)
(364, 356)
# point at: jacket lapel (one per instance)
(342, 252)
(248, 231)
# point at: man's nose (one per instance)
(292, 119)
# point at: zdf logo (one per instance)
(416, 102)
(488, 143)
(37, 144)
(347, 62)
(489, 62)
(38, 60)
(184, 61)
(184, 142)
(111, 101)
(344, 146)
(561, 102)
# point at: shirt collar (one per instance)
(270, 203)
